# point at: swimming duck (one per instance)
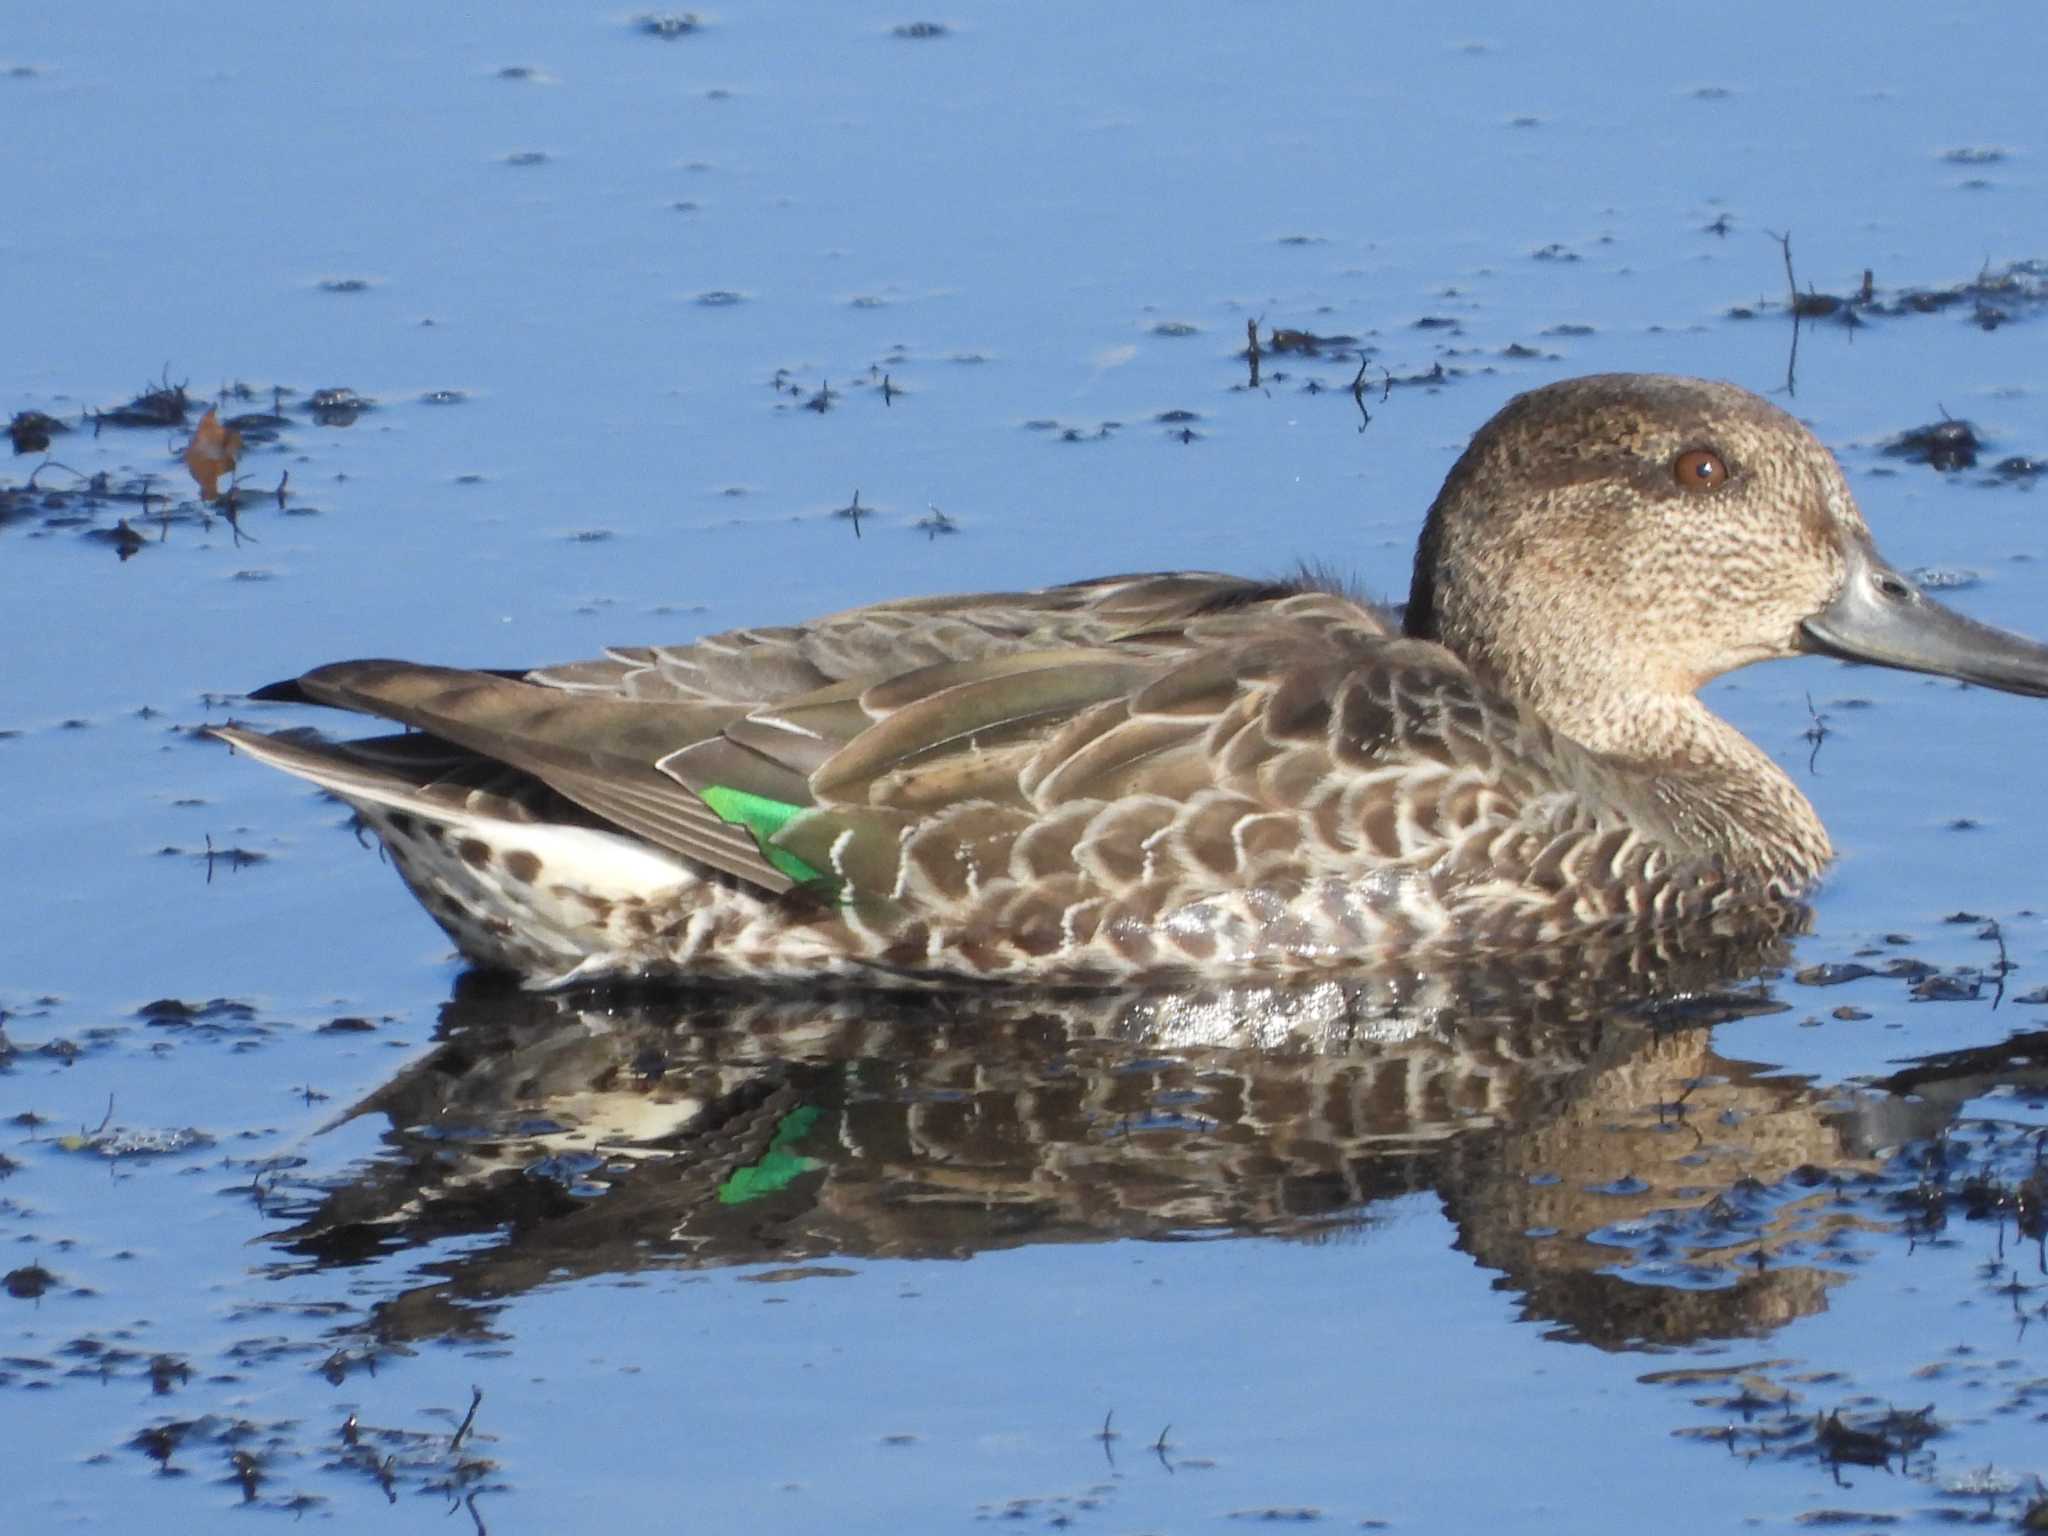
(1143, 778)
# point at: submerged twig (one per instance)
(476, 1398)
(1816, 732)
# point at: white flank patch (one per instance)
(603, 863)
(548, 916)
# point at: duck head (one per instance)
(1608, 544)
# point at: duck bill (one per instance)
(1881, 618)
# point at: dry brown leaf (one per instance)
(212, 453)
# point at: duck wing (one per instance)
(751, 667)
(1262, 749)
(1186, 728)
(599, 753)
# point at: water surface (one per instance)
(1462, 1255)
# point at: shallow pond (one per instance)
(573, 326)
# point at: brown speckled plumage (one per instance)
(1153, 777)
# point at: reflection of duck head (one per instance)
(722, 1129)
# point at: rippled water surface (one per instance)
(579, 329)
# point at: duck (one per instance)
(1142, 779)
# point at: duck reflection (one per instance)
(1631, 1185)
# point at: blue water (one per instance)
(1041, 223)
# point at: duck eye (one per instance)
(1699, 469)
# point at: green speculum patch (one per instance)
(764, 818)
(778, 1165)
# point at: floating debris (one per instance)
(212, 453)
(27, 1282)
(133, 1141)
(668, 28)
(1832, 974)
(1306, 343)
(1943, 578)
(337, 407)
(163, 404)
(174, 1012)
(31, 431)
(1948, 444)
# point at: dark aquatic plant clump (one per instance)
(161, 405)
(28, 1282)
(128, 507)
(1996, 296)
(31, 431)
(260, 1455)
(338, 407)
(1947, 445)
